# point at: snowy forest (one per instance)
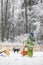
(19, 18)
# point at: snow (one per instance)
(18, 59)
(22, 38)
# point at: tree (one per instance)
(2, 22)
(6, 9)
(26, 3)
(6, 19)
(25, 6)
(12, 27)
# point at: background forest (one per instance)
(20, 17)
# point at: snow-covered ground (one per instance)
(18, 59)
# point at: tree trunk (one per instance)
(2, 22)
(26, 30)
(6, 18)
